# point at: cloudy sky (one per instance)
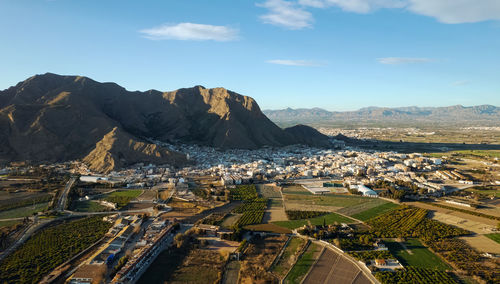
(334, 54)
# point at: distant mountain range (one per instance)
(482, 114)
(58, 118)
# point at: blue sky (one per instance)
(334, 54)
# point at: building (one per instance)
(367, 191)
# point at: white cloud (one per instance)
(191, 31)
(445, 11)
(457, 11)
(286, 14)
(402, 60)
(290, 62)
(460, 83)
(356, 6)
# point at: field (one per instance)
(200, 266)
(495, 191)
(9, 223)
(252, 212)
(270, 228)
(302, 265)
(483, 243)
(122, 197)
(230, 220)
(334, 268)
(257, 259)
(23, 211)
(15, 200)
(415, 275)
(415, 254)
(231, 272)
(49, 248)
(495, 237)
(88, 206)
(295, 189)
(344, 204)
(328, 219)
(289, 256)
(408, 221)
(375, 211)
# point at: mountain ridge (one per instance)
(53, 117)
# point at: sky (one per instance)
(332, 54)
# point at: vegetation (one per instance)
(289, 256)
(328, 219)
(252, 208)
(23, 211)
(253, 212)
(415, 275)
(298, 215)
(302, 265)
(474, 213)
(495, 237)
(25, 202)
(412, 222)
(463, 257)
(416, 255)
(88, 206)
(375, 211)
(123, 197)
(49, 248)
(243, 192)
(371, 254)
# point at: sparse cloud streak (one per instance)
(460, 83)
(286, 14)
(290, 62)
(402, 60)
(191, 31)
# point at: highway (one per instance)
(63, 199)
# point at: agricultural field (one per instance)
(333, 267)
(328, 219)
(49, 248)
(495, 237)
(199, 266)
(231, 272)
(252, 212)
(412, 253)
(258, 258)
(486, 191)
(268, 191)
(230, 220)
(303, 264)
(295, 189)
(415, 275)
(408, 221)
(13, 200)
(289, 256)
(23, 211)
(484, 243)
(269, 227)
(374, 211)
(88, 206)
(364, 206)
(122, 197)
(330, 202)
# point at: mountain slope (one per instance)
(57, 118)
(486, 114)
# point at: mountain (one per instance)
(482, 114)
(51, 118)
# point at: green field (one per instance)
(282, 266)
(23, 211)
(302, 265)
(495, 237)
(88, 206)
(375, 211)
(491, 192)
(328, 219)
(333, 200)
(420, 256)
(122, 197)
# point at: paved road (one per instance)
(63, 199)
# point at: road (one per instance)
(63, 199)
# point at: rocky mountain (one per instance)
(57, 118)
(483, 114)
